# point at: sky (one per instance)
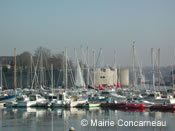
(106, 24)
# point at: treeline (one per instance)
(26, 59)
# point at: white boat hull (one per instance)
(26, 104)
(77, 103)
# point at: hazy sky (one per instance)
(106, 24)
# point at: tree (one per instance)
(23, 60)
(45, 52)
(57, 61)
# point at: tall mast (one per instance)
(66, 68)
(31, 70)
(118, 77)
(133, 65)
(159, 65)
(94, 66)
(142, 78)
(115, 75)
(82, 59)
(172, 75)
(152, 61)
(15, 68)
(63, 69)
(52, 90)
(41, 68)
(100, 64)
(52, 77)
(1, 76)
(87, 66)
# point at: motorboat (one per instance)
(35, 100)
(59, 100)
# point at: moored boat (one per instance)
(113, 105)
(134, 106)
(59, 100)
(34, 101)
(162, 107)
(93, 104)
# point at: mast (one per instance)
(159, 65)
(15, 69)
(31, 69)
(82, 59)
(52, 77)
(115, 67)
(52, 90)
(140, 75)
(1, 76)
(152, 61)
(100, 64)
(66, 68)
(87, 66)
(41, 68)
(172, 75)
(94, 66)
(118, 77)
(133, 65)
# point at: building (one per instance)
(106, 76)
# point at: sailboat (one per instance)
(76, 98)
(8, 95)
(156, 96)
(60, 99)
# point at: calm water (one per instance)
(32, 119)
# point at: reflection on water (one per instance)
(34, 119)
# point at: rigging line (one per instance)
(99, 54)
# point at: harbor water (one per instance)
(93, 119)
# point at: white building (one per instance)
(105, 76)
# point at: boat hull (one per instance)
(162, 107)
(26, 104)
(5, 99)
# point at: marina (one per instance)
(91, 65)
(86, 102)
